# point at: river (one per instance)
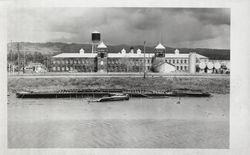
(137, 123)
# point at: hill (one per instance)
(53, 48)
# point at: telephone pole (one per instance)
(24, 60)
(144, 74)
(18, 57)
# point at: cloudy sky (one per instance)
(174, 27)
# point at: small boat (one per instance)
(113, 97)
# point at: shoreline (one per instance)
(211, 85)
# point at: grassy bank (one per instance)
(213, 85)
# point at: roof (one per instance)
(181, 55)
(95, 31)
(173, 55)
(139, 50)
(82, 50)
(129, 55)
(75, 55)
(161, 62)
(160, 47)
(176, 51)
(101, 45)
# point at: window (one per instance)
(185, 68)
(177, 67)
(181, 67)
(102, 55)
(181, 61)
(177, 61)
(173, 61)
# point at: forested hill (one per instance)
(53, 48)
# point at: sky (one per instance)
(174, 27)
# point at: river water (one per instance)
(137, 123)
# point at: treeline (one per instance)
(37, 57)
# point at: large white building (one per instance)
(123, 61)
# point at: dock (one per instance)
(82, 93)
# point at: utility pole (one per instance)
(24, 61)
(11, 60)
(18, 58)
(144, 75)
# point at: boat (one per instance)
(113, 97)
(81, 93)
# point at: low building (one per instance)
(35, 68)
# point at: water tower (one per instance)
(95, 38)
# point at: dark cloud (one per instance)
(185, 27)
(212, 16)
(145, 19)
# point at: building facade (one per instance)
(103, 61)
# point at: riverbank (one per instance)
(212, 85)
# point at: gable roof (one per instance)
(101, 45)
(160, 47)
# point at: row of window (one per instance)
(111, 69)
(71, 61)
(71, 68)
(173, 61)
(91, 61)
(182, 68)
(116, 61)
(126, 64)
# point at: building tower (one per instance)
(160, 51)
(102, 52)
(192, 62)
(95, 38)
(159, 57)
